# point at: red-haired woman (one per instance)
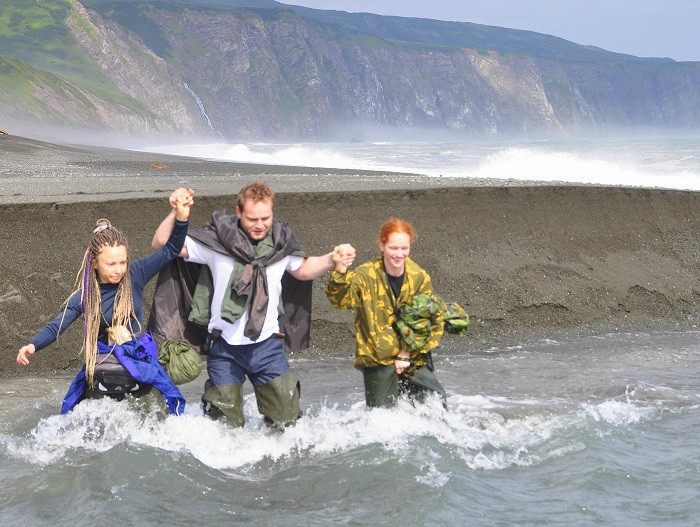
(119, 358)
(376, 291)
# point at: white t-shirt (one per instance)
(221, 267)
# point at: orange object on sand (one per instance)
(158, 165)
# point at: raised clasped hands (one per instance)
(343, 257)
(181, 200)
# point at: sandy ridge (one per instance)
(523, 261)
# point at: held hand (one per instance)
(343, 257)
(174, 197)
(402, 361)
(24, 353)
(180, 194)
(182, 200)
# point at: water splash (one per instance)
(485, 433)
(527, 164)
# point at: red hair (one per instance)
(394, 225)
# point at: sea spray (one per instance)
(486, 433)
(664, 163)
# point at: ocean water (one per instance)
(663, 162)
(599, 430)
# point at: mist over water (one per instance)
(598, 430)
(672, 163)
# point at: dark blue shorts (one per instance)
(260, 362)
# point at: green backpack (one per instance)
(414, 319)
(182, 363)
(456, 318)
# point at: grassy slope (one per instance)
(35, 33)
(18, 81)
(134, 15)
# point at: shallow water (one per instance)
(580, 431)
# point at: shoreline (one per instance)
(524, 261)
(34, 171)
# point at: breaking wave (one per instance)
(673, 164)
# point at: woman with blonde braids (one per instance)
(119, 358)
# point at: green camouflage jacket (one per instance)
(415, 319)
(366, 291)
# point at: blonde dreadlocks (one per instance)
(104, 235)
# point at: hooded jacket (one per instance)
(140, 359)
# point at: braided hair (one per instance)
(87, 282)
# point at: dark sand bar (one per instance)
(524, 261)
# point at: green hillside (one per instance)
(34, 32)
(134, 15)
(259, 68)
(466, 35)
(18, 81)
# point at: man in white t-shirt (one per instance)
(247, 255)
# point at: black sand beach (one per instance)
(524, 261)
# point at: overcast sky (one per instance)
(646, 28)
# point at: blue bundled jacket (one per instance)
(140, 359)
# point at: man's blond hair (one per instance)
(256, 192)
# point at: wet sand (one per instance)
(524, 261)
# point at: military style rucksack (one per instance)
(414, 319)
(456, 318)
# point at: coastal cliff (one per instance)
(264, 70)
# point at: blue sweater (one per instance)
(141, 271)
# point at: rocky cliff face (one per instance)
(242, 73)
(138, 72)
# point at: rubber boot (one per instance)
(278, 400)
(381, 386)
(422, 382)
(224, 400)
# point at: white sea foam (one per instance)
(485, 432)
(532, 165)
(268, 154)
(618, 413)
(642, 163)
